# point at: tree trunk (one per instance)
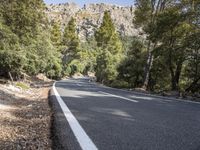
(148, 67)
(11, 78)
(193, 86)
(178, 71)
(175, 76)
(174, 86)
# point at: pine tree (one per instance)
(24, 17)
(56, 34)
(175, 29)
(111, 50)
(131, 68)
(71, 39)
(25, 44)
(71, 44)
(145, 16)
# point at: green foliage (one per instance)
(85, 62)
(106, 70)
(56, 34)
(159, 75)
(76, 67)
(71, 49)
(168, 59)
(120, 84)
(70, 39)
(11, 56)
(171, 28)
(11, 62)
(131, 69)
(143, 12)
(88, 54)
(25, 44)
(127, 42)
(54, 68)
(111, 50)
(107, 37)
(23, 17)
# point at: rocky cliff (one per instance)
(89, 17)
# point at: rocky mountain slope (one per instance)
(90, 17)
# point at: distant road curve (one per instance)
(90, 117)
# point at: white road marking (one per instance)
(128, 99)
(150, 99)
(78, 84)
(154, 96)
(82, 137)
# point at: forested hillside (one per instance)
(166, 57)
(25, 40)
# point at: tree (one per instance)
(71, 39)
(56, 34)
(131, 68)
(111, 50)
(171, 28)
(145, 16)
(24, 17)
(71, 48)
(192, 42)
(25, 45)
(174, 25)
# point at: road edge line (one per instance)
(152, 95)
(81, 136)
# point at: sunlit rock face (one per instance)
(89, 17)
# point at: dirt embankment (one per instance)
(25, 116)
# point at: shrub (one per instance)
(120, 84)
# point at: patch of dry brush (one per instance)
(25, 117)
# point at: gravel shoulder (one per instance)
(25, 117)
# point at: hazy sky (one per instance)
(82, 2)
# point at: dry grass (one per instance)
(25, 118)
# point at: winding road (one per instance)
(88, 116)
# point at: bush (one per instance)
(11, 61)
(53, 69)
(120, 84)
(75, 66)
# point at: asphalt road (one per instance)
(112, 119)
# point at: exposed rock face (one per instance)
(89, 17)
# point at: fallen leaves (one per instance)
(25, 117)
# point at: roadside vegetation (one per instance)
(165, 58)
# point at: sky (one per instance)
(82, 2)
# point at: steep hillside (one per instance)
(90, 17)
